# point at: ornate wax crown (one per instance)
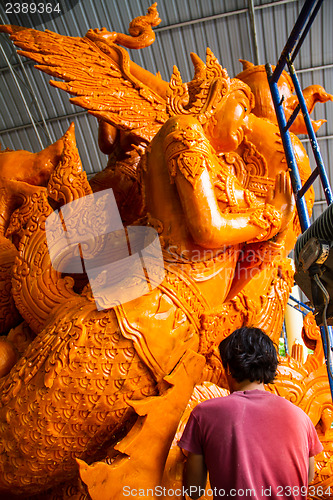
(205, 91)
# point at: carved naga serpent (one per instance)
(51, 409)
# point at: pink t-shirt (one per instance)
(256, 445)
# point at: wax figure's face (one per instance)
(228, 131)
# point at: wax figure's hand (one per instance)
(282, 198)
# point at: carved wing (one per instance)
(98, 73)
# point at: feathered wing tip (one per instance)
(11, 28)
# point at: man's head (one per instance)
(249, 354)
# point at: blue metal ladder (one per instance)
(287, 58)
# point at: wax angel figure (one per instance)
(94, 397)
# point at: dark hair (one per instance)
(250, 355)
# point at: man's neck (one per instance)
(246, 385)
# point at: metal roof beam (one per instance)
(220, 16)
(322, 138)
(48, 120)
(23, 82)
(314, 68)
(253, 32)
(33, 121)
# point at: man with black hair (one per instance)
(253, 443)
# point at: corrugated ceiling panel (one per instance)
(273, 27)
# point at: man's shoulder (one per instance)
(282, 404)
(209, 403)
(212, 404)
(282, 401)
(271, 400)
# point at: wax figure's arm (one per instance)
(210, 228)
(311, 469)
(189, 158)
(195, 475)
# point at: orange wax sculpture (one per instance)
(91, 400)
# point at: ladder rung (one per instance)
(313, 139)
(308, 183)
(293, 116)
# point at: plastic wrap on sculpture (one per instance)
(108, 387)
